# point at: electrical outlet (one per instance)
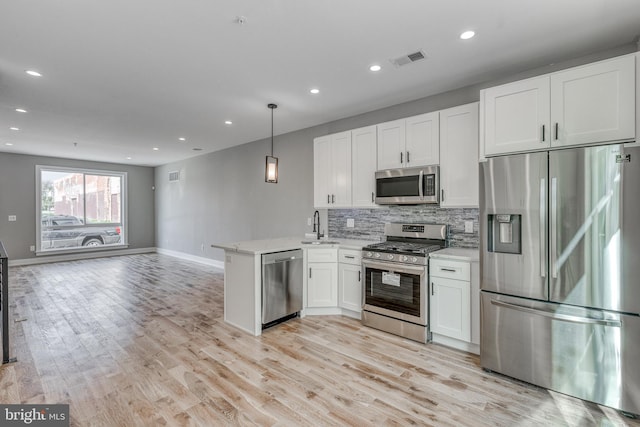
(350, 223)
(32, 248)
(309, 221)
(202, 247)
(468, 226)
(12, 217)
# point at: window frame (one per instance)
(124, 209)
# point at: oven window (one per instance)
(394, 291)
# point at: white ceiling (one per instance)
(123, 76)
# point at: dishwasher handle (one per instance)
(279, 257)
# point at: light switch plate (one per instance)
(351, 223)
(309, 221)
(468, 226)
(12, 217)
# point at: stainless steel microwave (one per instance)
(408, 186)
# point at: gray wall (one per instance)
(222, 196)
(18, 197)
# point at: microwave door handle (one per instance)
(421, 184)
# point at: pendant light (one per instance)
(271, 166)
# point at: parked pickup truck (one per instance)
(66, 231)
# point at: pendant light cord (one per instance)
(272, 106)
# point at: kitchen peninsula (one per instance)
(243, 274)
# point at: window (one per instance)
(80, 209)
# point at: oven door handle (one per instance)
(394, 267)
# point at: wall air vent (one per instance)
(174, 176)
(409, 59)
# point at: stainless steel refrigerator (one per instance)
(560, 267)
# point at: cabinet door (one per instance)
(594, 103)
(364, 163)
(422, 140)
(322, 285)
(459, 172)
(450, 308)
(517, 116)
(321, 171)
(350, 287)
(391, 144)
(340, 182)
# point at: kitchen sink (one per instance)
(319, 242)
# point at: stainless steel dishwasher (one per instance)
(281, 286)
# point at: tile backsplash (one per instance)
(369, 223)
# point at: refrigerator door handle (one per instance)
(554, 224)
(559, 316)
(543, 208)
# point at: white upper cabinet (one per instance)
(594, 103)
(391, 143)
(459, 171)
(582, 105)
(422, 140)
(332, 170)
(409, 142)
(516, 116)
(363, 166)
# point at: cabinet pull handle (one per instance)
(401, 157)
(309, 272)
(408, 161)
(328, 199)
(448, 269)
(543, 133)
(442, 192)
(556, 131)
(372, 198)
(359, 276)
(432, 288)
(350, 257)
(333, 198)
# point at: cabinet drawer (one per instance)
(349, 256)
(458, 270)
(322, 255)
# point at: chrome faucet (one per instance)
(316, 224)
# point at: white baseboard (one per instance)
(457, 344)
(194, 258)
(78, 256)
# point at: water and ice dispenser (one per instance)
(504, 233)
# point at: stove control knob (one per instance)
(390, 256)
(414, 259)
(377, 255)
(405, 258)
(369, 254)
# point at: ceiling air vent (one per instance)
(174, 176)
(409, 59)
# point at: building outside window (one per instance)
(80, 209)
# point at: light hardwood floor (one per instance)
(139, 340)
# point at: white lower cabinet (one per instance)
(454, 305)
(350, 280)
(322, 278)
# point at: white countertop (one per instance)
(258, 247)
(462, 254)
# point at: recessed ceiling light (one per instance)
(228, 122)
(33, 73)
(8, 144)
(128, 158)
(315, 91)
(21, 110)
(155, 148)
(182, 139)
(14, 128)
(375, 67)
(467, 35)
(197, 149)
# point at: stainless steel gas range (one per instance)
(396, 274)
